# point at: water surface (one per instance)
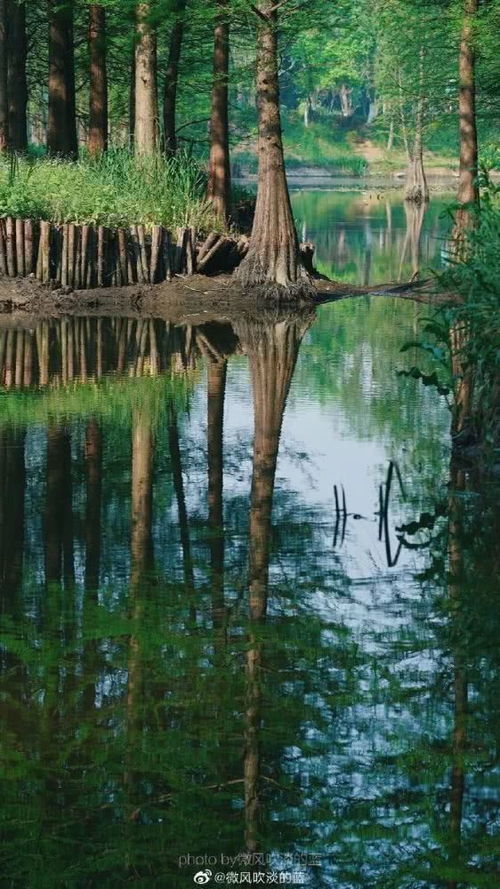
(248, 607)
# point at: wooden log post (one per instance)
(10, 229)
(21, 270)
(3, 248)
(63, 246)
(167, 255)
(77, 275)
(71, 254)
(181, 251)
(143, 253)
(207, 245)
(191, 250)
(101, 255)
(85, 256)
(216, 252)
(156, 267)
(139, 269)
(122, 256)
(43, 264)
(29, 247)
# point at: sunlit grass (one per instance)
(116, 189)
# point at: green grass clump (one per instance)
(115, 189)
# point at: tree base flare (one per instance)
(280, 281)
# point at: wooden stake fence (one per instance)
(87, 256)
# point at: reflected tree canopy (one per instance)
(188, 664)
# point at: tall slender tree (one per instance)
(273, 258)
(4, 106)
(98, 105)
(219, 174)
(417, 189)
(468, 192)
(146, 106)
(17, 80)
(172, 77)
(61, 127)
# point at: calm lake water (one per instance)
(249, 605)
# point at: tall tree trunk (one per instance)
(146, 111)
(468, 192)
(416, 183)
(4, 105)
(468, 198)
(131, 99)
(171, 79)
(273, 258)
(219, 175)
(216, 389)
(17, 83)
(61, 127)
(98, 108)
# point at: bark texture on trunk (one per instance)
(61, 126)
(171, 79)
(4, 106)
(273, 259)
(219, 174)
(98, 105)
(468, 198)
(468, 192)
(17, 83)
(131, 99)
(417, 189)
(146, 111)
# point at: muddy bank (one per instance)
(196, 297)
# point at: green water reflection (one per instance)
(200, 655)
(371, 237)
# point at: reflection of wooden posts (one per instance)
(460, 686)
(216, 387)
(272, 352)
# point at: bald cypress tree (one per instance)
(61, 127)
(98, 98)
(273, 260)
(4, 107)
(219, 171)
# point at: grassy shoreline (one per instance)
(115, 190)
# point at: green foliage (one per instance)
(115, 189)
(474, 281)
